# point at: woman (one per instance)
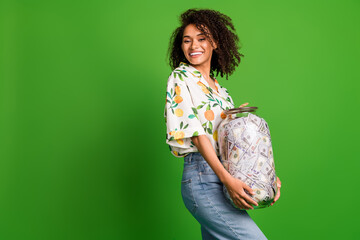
(206, 43)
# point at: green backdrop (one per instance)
(82, 132)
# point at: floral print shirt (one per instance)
(193, 108)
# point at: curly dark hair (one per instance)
(226, 57)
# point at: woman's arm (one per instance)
(234, 186)
(204, 146)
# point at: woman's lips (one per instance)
(196, 55)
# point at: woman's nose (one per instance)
(194, 44)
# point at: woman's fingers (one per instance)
(247, 197)
(238, 204)
(278, 182)
(276, 197)
(244, 104)
(239, 201)
(249, 189)
(245, 204)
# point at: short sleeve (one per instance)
(180, 114)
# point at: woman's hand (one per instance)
(236, 189)
(278, 183)
(243, 105)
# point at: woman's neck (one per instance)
(205, 71)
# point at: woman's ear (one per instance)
(215, 44)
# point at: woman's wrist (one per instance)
(225, 177)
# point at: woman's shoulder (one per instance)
(183, 74)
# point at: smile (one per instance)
(195, 54)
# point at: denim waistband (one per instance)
(195, 156)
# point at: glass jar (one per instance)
(246, 153)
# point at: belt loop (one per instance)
(191, 155)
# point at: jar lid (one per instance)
(240, 110)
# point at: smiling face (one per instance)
(196, 47)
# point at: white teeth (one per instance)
(195, 53)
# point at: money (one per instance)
(247, 154)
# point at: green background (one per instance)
(82, 132)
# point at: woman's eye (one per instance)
(202, 39)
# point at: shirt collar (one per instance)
(196, 73)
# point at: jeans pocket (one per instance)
(188, 196)
(207, 170)
(210, 181)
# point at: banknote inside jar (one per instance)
(246, 153)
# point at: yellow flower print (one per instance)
(176, 153)
(178, 99)
(180, 141)
(179, 112)
(215, 136)
(171, 133)
(205, 90)
(203, 87)
(177, 90)
(179, 135)
(209, 115)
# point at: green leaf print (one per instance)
(215, 104)
(167, 93)
(196, 133)
(208, 107)
(183, 73)
(181, 125)
(191, 116)
(186, 126)
(194, 110)
(181, 77)
(200, 106)
(209, 130)
(211, 125)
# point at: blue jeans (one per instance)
(202, 193)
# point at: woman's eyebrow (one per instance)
(196, 35)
